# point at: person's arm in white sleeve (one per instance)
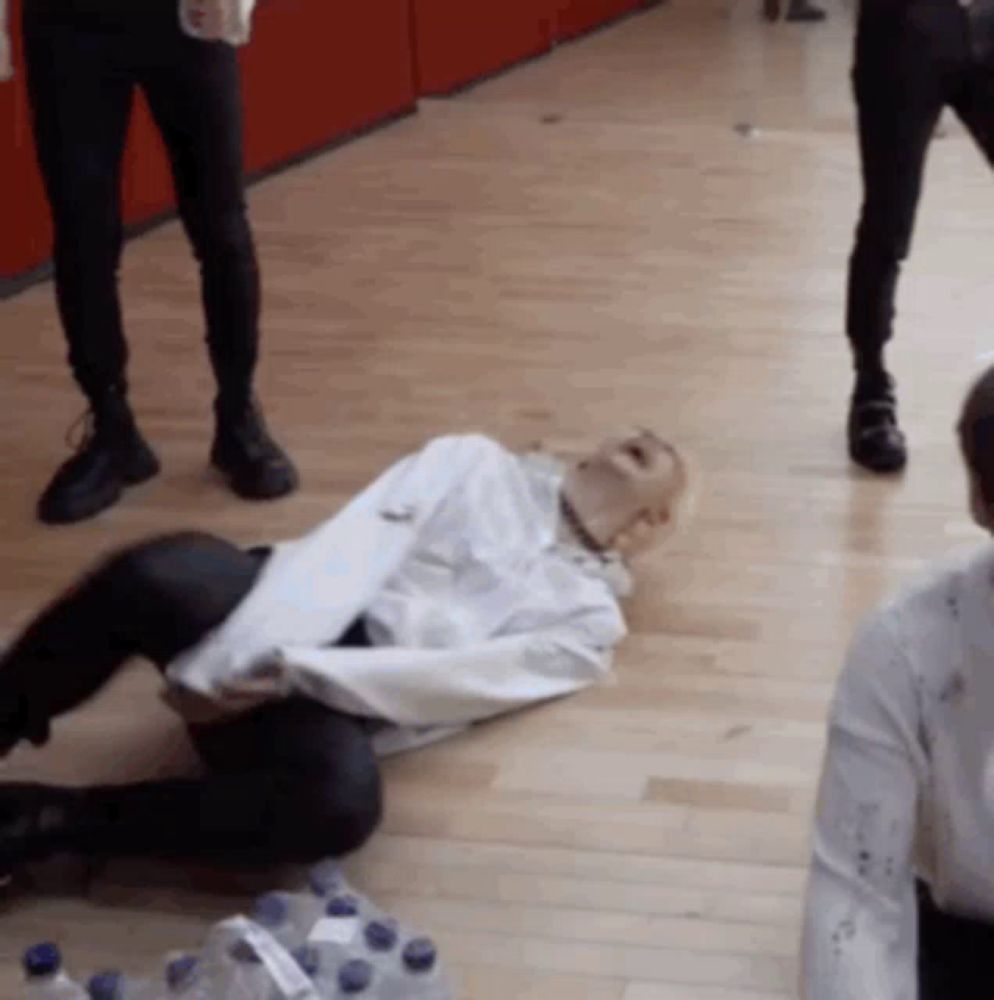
(421, 687)
(858, 943)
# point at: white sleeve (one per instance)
(6, 60)
(859, 935)
(424, 687)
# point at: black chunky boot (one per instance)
(876, 442)
(804, 12)
(111, 456)
(255, 466)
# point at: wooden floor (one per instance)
(584, 242)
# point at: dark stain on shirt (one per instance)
(953, 689)
(844, 932)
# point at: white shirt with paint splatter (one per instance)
(908, 785)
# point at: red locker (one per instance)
(456, 42)
(316, 71)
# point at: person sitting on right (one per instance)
(900, 901)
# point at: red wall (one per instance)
(314, 72)
(457, 41)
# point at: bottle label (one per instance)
(334, 930)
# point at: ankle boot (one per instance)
(255, 466)
(111, 456)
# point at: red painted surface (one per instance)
(456, 41)
(25, 235)
(318, 69)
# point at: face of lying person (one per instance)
(628, 490)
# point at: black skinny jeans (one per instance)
(291, 781)
(913, 57)
(84, 59)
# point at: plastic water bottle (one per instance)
(185, 979)
(333, 940)
(380, 944)
(325, 879)
(355, 978)
(273, 912)
(46, 979)
(418, 976)
(113, 985)
(244, 976)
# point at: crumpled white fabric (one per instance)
(452, 559)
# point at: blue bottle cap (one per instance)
(180, 972)
(420, 955)
(307, 957)
(43, 959)
(355, 976)
(105, 986)
(381, 935)
(270, 910)
(342, 906)
(325, 878)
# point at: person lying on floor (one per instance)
(900, 901)
(463, 583)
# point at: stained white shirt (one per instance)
(209, 20)
(907, 787)
(452, 560)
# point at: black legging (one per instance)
(913, 57)
(954, 954)
(84, 59)
(289, 781)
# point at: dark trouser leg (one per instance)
(953, 954)
(289, 781)
(152, 599)
(193, 91)
(80, 98)
(898, 80)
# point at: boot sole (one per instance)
(246, 493)
(141, 470)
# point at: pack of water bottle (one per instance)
(322, 943)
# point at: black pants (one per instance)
(84, 59)
(290, 781)
(913, 57)
(954, 954)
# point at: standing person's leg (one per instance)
(899, 80)
(80, 96)
(804, 12)
(953, 954)
(193, 90)
(289, 781)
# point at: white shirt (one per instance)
(452, 559)
(209, 20)
(907, 787)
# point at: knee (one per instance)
(338, 817)
(157, 564)
(222, 237)
(881, 238)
